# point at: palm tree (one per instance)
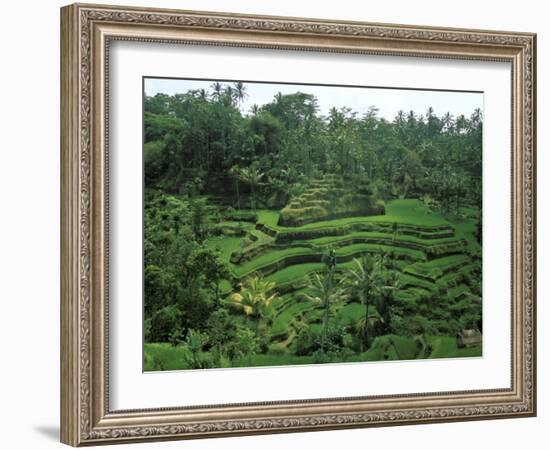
(429, 113)
(461, 124)
(239, 92)
(217, 89)
(363, 278)
(460, 188)
(235, 172)
(399, 118)
(448, 121)
(476, 118)
(203, 94)
(252, 177)
(326, 292)
(255, 298)
(228, 95)
(389, 286)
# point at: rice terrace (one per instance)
(305, 224)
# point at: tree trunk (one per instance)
(366, 326)
(325, 326)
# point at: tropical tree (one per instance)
(239, 92)
(363, 279)
(326, 291)
(235, 173)
(447, 121)
(207, 263)
(221, 331)
(228, 96)
(199, 219)
(255, 298)
(245, 345)
(390, 284)
(217, 90)
(252, 177)
(193, 345)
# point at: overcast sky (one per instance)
(359, 99)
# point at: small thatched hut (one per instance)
(468, 338)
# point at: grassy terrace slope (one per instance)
(384, 348)
(409, 231)
(403, 211)
(435, 258)
(432, 255)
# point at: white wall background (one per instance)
(29, 222)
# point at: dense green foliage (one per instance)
(281, 236)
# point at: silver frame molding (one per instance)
(86, 33)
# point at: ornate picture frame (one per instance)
(87, 32)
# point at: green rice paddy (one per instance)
(431, 253)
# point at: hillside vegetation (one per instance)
(281, 236)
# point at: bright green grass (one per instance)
(291, 306)
(404, 211)
(437, 267)
(445, 347)
(283, 301)
(269, 258)
(353, 312)
(261, 236)
(411, 212)
(395, 241)
(388, 348)
(376, 248)
(453, 276)
(405, 347)
(351, 250)
(225, 244)
(225, 287)
(412, 293)
(294, 273)
(410, 280)
(235, 224)
(162, 356)
(391, 348)
(299, 271)
(457, 291)
(286, 317)
(465, 230)
(273, 360)
(261, 239)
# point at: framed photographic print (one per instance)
(274, 224)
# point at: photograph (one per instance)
(293, 224)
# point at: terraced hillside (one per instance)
(326, 198)
(436, 261)
(295, 224)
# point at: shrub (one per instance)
(308, 341)
(194, 357)
(164, 323)
(297, 216)
(240, 216)
(147, 330)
